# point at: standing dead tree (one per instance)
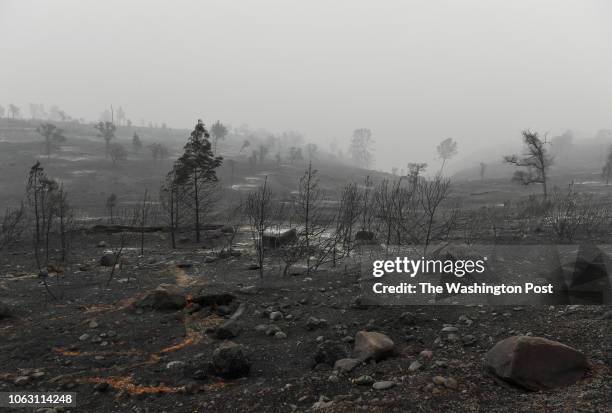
(535, 162)
(259, 209)
(430, 221)
(12, 225)
(172, 199)
(308, 211)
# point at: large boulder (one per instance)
(230, 361)
(164, 297)
(372, 345)
(107, 259)
(273, 241)
(535, 363)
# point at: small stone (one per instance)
(93, 324)
(383, 385)
(84, 337)
(276, 315)
(280, 335)
(174, 365)
(414, 366)
(21, 380)
(364, 380)
(346, 365)
(426, 354)
(439, 380)
(450, 329)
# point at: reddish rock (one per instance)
(535, 363)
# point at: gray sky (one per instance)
(415, 72)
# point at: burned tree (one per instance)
(12, 225)
(196, 169)
(136, 142)
(106, 130)
(259, 210)
(534, 162)
(51, 134)
(172, 199)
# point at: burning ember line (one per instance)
(126, 384)
(187, 342)
(71, 353)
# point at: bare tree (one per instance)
(259, 210)
(430, 222)
(535, 162)
(12, 225)
(172, 196)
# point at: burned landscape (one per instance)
(117, 314)
(283, 206)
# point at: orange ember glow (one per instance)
(126, 384)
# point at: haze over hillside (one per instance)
(413, 72)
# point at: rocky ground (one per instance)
(214, 337)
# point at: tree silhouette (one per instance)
(197, 167)
(446, 150)
(52, 135)
(535, 162)
(218, 131)
(107, 131)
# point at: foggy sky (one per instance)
(415, 72)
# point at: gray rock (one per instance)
(535, 363)
(229, 329)
(414, 366)
(364, 380)
(346, 365)
(383, 385)
(276, 315)
(107, 260)
(164, 297)
(230, 361)
(280, 335)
